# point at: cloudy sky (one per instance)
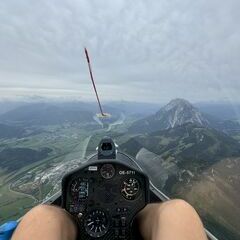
(141, 50)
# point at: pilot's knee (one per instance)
(43, 208)
(177, 204)
(42, 211)
(45, 213)
(177, 208)
(46, 218)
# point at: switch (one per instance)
(123, 232)
(118, 210)
(125, 209)
(123, 221)
(116, 232)
(116, 222)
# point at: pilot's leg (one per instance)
(46, 222)
(171, 220)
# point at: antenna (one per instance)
(94, 86)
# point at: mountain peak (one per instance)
(178, 102)
(176, 113)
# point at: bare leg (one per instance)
(171, 220)
(46, 222)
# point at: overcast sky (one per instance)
(140, 50)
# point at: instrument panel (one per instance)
(104, 197)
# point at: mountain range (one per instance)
(181, 134)
(45, 114)
(178, 112)
(7, 131)
(188, 146)
(191, 155)
(40, 114)
(20, 157)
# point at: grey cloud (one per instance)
(140, 50)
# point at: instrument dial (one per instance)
(96, 223)
(79, 188)
(107, 171)
(75, 186)
(130, 188)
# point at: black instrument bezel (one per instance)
(68, 175)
